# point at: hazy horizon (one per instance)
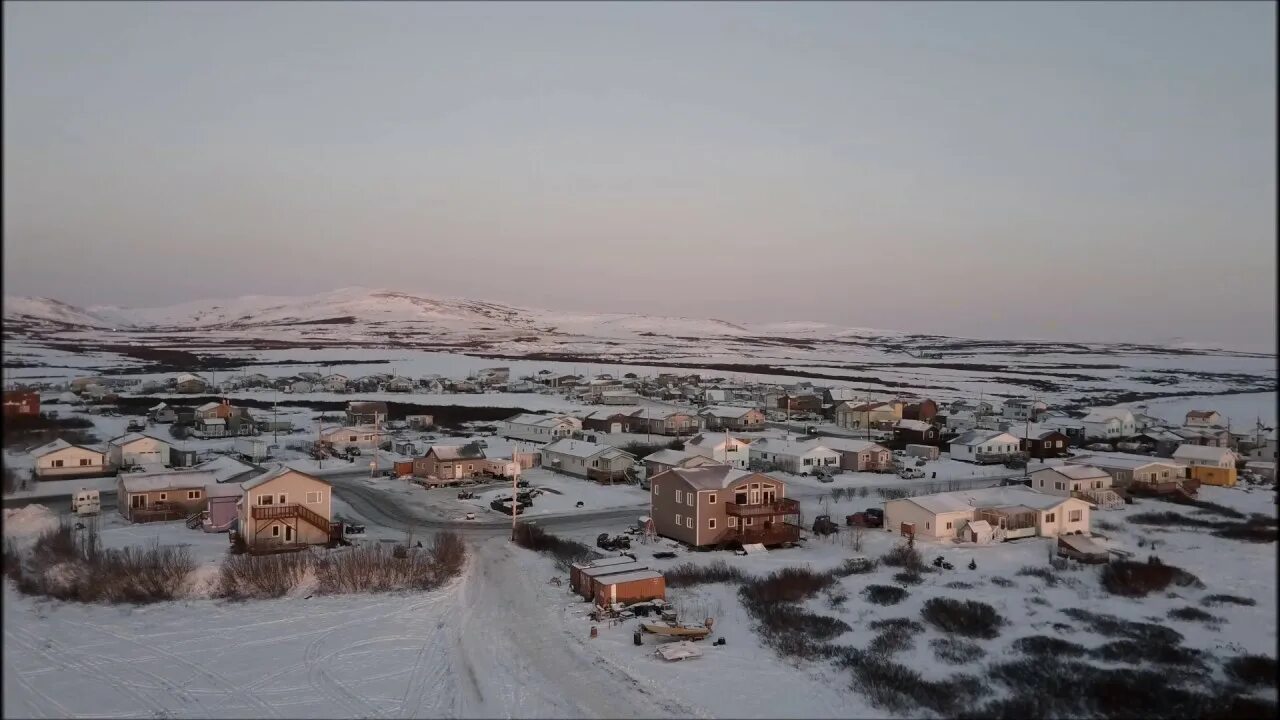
(1070, 171)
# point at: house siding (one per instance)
(71, 459)
(294, 486)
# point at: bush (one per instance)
(1107, 525)
(903, 556)
(969, 618)
(1052, 687)
(898, 688)
(959, 585)
(262, 576)
(884, 594)
(690, 574)
(786, 585)
(1112, 626)
(1046, 574)
(1192, 614)
(1003, 582)
(854, 566)
(1134, 652)
(1253, 670)
(449, 554)
(1212, 600)
(566, 552)
(1134, 579)
(1046, 646)
(908, 577)
(955, 651)
(373, 568)
(891, 640)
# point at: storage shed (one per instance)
(928, 452)
(584, 583)
(629, 587)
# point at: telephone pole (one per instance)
(515, 491)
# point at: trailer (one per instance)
(86, 502)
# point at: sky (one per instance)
(1076, 171)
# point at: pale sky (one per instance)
(1082, 171)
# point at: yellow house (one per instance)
(1209, 465)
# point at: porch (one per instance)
(774, 533)
(1016, 521)
(785, 506)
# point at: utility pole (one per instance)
(275, 425)
(515, 485)
(319, 450)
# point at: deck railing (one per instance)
(785, 506)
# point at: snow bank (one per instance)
(29, 521)
(203, 582)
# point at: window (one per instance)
(711, 524)
(283, 499)
(677, 519)
(748, 521)
(1075, 515)
(85, 461)
(57, 463)
(1048, 518)
(1057, 486)
(315, 497)
(266, 500)
(711, 499)
(688, 522)
(733, 521)
(926, 526)
(655, 489)
(164, 496)
(679, 497)
(948, 526)
(193, 494)
(275, 531)
(689, 499)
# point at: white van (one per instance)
(86, 502)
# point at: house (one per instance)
(269, 424)
(1023, 409)
(366, 413)
(664, 460)
(666, 421)
(720, 447)
(609, 421)
(254, 380)
(532, 427)
(1071, 427)
(21, 402)
(234, 420)
(1162, 442)
(138, 449)
(617, 397)
(189, 383)
(79, 385)
(335, 382)
(837, 395)
(1208, 465)
(914, 432)
(860, 455)
(284, 510)
(449, 462)
(162, 413)
(226, 469)
(165, 495)
(419, 422)
(958, 421)
(1203, 418)
(984, 446)
(1207, 436)
(253, 449)
(925, 411)
(727, 417)
(301, 386)
(398, 384)
(587, 459)
(1040, 442)
(800, 403)
(1082, 481)
(794, 457)
(365, 438)
(1108, 424)
(718, 505)
(977, 408)
(861, 415)
(1010, 512)
(60, 459)
(1265, 449)
(1129, 470)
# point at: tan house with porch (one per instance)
(450, 462)
(285, 510)
(1010, 512)
(718, 504)
(148, 497)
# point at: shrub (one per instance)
(854, 566)
(1134, 652)
(1212, 600)
(836, 598)
(1047, 646)
(1112, 627)
(786, 585)
(891, 640)
(374, 568)
(955, 651)
(884, 594)
(898, 688)
(903, 556)
(1002, 581)
(1192, 614)
(690, 574)
(263, 576)
(959, 585)
(449, 554)
(566, 552)
(893, 493)
(1052, 687)
(969, 618)
(1134, 579)
(1107, 525)
(1254, 670)
(1046, 574)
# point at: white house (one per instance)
(1205, 456)
(1022, 409)
(983, 446)
(793, 457)
(1204, 418)
(363, 437)
(335, 382)
(587, 459)
(1109, 424)
(62, 459)
(1091, 483)
(138, 449)
(721, 448)
(1011, 513)
(540, 428)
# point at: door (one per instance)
(615, 427)
(288, 533)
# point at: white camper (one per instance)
(86, 502)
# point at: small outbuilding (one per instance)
(629, 587)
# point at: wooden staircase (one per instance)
(195, 519)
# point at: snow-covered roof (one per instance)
(978, 437)
(457, 452)
(670, 457)
(282, 470)
(57, 445)
(1203, 452)
(1101, 415)
(987, 497)
(839, 394)
(1034, 430)
(612, 579)
(597, 570)
(712, 440)
(1201, 414)
(713, 477)
(213, 421)
(581, 449)
(725, 411)
(604, 562)
(167, 480)
(850, 444)
(535, 419)
(156, 408)
(1075, 472)
(208, 406)
(224, 467)
(915, 425)
(185, 377)
(133, 437)
(1120, 461)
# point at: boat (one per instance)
(696, 632)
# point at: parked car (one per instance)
(822, 525)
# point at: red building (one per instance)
(21, 402)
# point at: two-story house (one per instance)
(284, 510)
(1109, 424)
(721, 447)
(718, 505)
